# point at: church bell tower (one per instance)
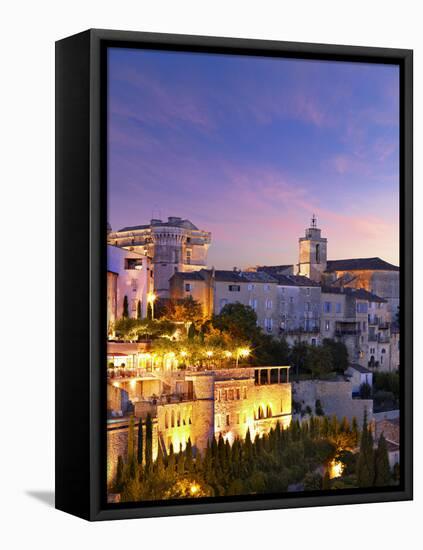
(313, 253)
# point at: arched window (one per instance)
(317, 253)
(166, 420)
(268, 411)
(172, 421)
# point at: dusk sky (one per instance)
(249, 148)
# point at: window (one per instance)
(338, 307)
(245, 418)
(237, 418)
(250, 286)
(188, 287)
(166, 420)
(268, 323)
(307, 306)
(364, 326)
(253, 303)
(234, 288)
(228, 420)
(362, 307)
(231, 395)
(266, 288)
(218, 420)
(327, 307)
(313, 341)
(291, 300)
(188, 258)
(327, 326)
(317, 253)
(245, 393)
(238, 394)
(134, 305)
(225, 395)
(133, 263)
(269, 304)
(172, 419)
(134, 284)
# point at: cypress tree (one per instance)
(159, 463)
(365, 464)
(125, 312)
(131, 439)
(180, 465)
(354, 431)
(326, 481)
(382, 469)
(148, 444)
(139, 309)
(248, 445)
(119, 475)
(171, 460)
(140, 443)
(189, 464)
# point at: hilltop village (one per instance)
(205, 363)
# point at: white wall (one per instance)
(26, 211)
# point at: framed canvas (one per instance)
(212, 354)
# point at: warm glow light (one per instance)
(209, 353)
(194, 489)
(335, 469)
(244, 352)
(228, 354)
(184, 353)
(151, 296)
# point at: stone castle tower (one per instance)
(312, 253)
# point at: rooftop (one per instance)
(172, 221)
(358, 293)
(226, 276)
(359, 264)
(294, 280)
(359, 368)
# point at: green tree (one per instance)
(339, 354)
(299, 356)
(319, 361)
(125, 312)
(382, 469)
(140, 443)
(120, 476)
(238, 320)
(148, 444)
(326, 485)
(365, 391)
(365, 463)
(139, 309)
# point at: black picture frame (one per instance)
(81, 274)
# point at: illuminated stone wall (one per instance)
(117, 444)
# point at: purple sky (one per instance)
(248, 148)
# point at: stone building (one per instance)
(345, 314)
(213, 289)
(299, 305)
(312, 253)
(128, 274)
(199, 405)
(173, 245)
(372, 274)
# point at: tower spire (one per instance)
(314, 221)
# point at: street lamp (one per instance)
(150, 299)
(241, 352)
